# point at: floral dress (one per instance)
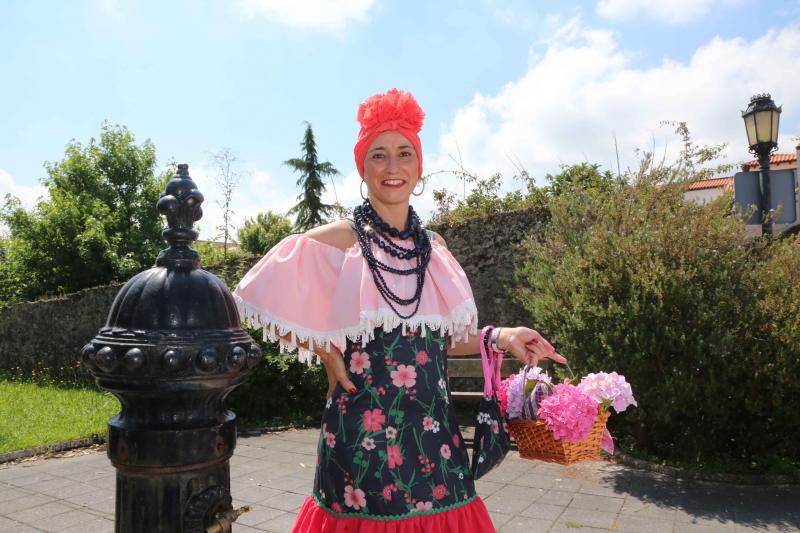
(390, 457)
(394, 447)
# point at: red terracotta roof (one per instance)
(774, 159)
(726, 183)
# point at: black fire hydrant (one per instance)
(172, 349)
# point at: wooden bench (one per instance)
(466, 376)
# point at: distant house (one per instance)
(232, 245)
(704, 191)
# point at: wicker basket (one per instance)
(535, 441)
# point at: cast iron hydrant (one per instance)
(172, 349)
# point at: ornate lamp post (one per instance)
(172, 349)
(761, 119)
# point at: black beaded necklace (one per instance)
(370, 227)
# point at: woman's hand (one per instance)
(336, 370)
(527, 345)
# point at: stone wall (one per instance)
(50, 333)
(487, 248)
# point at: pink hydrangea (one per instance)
(502, 393)
(569, 413)
(607, 443)
(608, 389)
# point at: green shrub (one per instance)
(703, 321)
(485, 199)
(281, 390)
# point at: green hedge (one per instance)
(703, 321)
(281, 390)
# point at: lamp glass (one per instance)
(776, 118)
(750, 126)
(763, 126)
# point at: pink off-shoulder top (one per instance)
(322, 294)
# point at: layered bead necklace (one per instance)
(370, 228)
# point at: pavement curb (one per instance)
(51, 449)
(64, 446)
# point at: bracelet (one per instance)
(486, 336)
(495, 339)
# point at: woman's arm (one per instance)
(525, 344)
(333, 361)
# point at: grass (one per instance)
(36, 414)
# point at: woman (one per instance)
(381, 302)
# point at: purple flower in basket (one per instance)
(515, 395)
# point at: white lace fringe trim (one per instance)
(460, 323)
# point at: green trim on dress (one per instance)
(388, 518)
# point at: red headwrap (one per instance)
(394, 110)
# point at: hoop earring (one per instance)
(415, 188)
(360, 190)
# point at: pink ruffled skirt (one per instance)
(472, 517)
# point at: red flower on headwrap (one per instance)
(395, 110)
(395, 106)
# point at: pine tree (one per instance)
(309, 209)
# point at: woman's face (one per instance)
(391, 168)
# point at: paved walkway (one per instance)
(273, 473)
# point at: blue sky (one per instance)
(540, 83)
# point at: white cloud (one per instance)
(326, 15)
(27, 195)
(260, 178)
(346, 191)
(583, 89)
(672, 12)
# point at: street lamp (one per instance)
(761, 119)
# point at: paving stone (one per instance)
(19, 504)
(287, 501)
(93, 525)
(65, 520)
(33, 514)
(639, 524)
(257, 515)
(526, 525)
(281, 524)
(556, 497)
(487, 488)
(499, 519)
(535, 480)
(596, 503)
(503, 505)
(544, 511)
(588, 517)
(640, 509)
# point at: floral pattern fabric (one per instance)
(393, 449)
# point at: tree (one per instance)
(309, 209)
(100, 223)
(227, 177)
(259, 235)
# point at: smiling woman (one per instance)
(382, 302)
